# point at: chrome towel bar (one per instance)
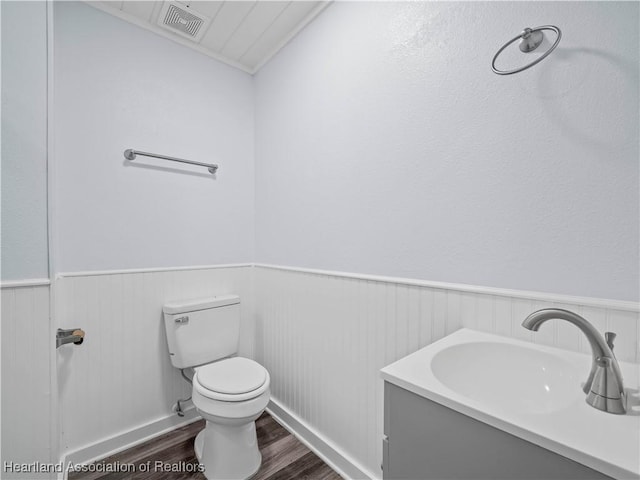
(130, 154)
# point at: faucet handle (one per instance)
(609, 338)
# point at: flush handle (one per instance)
(184, 319)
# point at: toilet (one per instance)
(229, 392)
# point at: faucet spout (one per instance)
(599, 347)
(604, 386)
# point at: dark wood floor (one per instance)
(283, 457)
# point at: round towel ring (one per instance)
(531, 39)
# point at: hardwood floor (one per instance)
(283, 457)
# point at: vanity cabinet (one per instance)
(426, 440)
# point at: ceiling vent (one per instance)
(183, 20)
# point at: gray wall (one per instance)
(386, 145)
(24, 140)
(118, 86)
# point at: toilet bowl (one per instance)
(230, 395)
(229, 392)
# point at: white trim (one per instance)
(327, 450)
(129, 438)
(54, 410)
(30, 282)
(50, 154)
(503, 292)
(150, 270)
(1, 457)
(281, 44)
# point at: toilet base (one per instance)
(228, 452)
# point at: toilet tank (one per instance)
(202, 330)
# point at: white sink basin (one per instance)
(531, 391)
(509, 376)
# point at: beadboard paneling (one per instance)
(324, 338)
(121, 378)
(503, 316)
(26, 378)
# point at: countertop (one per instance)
(605, 442)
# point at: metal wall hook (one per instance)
(530, 40)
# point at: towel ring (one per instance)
(531, 38)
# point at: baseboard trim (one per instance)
(327, 450)
(130, 438)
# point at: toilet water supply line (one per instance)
(179, 410)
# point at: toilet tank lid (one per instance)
(194, 304)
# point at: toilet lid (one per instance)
(232, 376)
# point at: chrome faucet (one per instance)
(604, 387)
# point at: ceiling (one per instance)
(244, 34)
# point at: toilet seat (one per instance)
(234, 379)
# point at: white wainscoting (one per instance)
(26, 376)
(120, 382)
(324, 336)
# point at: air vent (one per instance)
(183, 20)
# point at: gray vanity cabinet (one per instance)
(425, 440)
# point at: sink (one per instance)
(531, 391)
(509, 376)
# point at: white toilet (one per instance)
(229, 392)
